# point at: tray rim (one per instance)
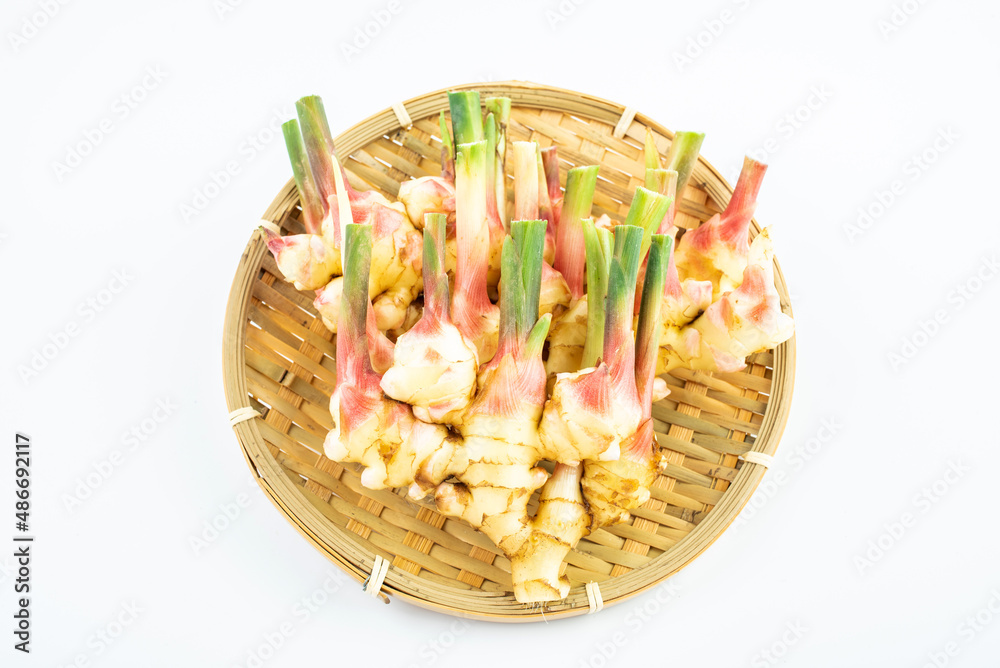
(278, 488)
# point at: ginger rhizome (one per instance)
(500, 426)
(433, 365)
(371, 429)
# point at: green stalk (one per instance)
(652, 153)
(648, 328)
(657, 180)
(627, 251)
(665, 181)
(313, 208)
(683, 155)
(318, 143)
(529, 238)
(472, 233)
(447, 149)
(620, 299)
(580, 185)
(466, 116)
(353, 362)
(599, 243)
(569, 260)
(499, 108)
(520, 281)
(490, 132)
(436, 298)
(513, 310)
(493, 204)
(647, 211)
(536, 337)
(357, 264)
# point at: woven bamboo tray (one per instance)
(279, 362)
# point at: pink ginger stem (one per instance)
(570, 246)
(550, 164)
(547, 209)
(471, 300)
(619, 346)
(672, 284)
(640, 448)
(435, 278)
(743, 203)
(354, 365)
(525, 181)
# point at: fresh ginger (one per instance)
(434, 366)
(555, 295)
(717, 249)
(452, 395)
(579, 198)
(613, 489)
(476, 317)
(500, 425)
(569, 333)
(561, 520)
(744, 321)
(592, 411)
(395, 280)
(371, 429)
(313, 261)
(428, 194)
(581, 497)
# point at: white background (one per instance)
(801, 559)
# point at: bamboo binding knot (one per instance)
(594, 598)
(373, 585)
(242, 415)
(759, 458)
(269, 225)
(624, 122)
(401, 114)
